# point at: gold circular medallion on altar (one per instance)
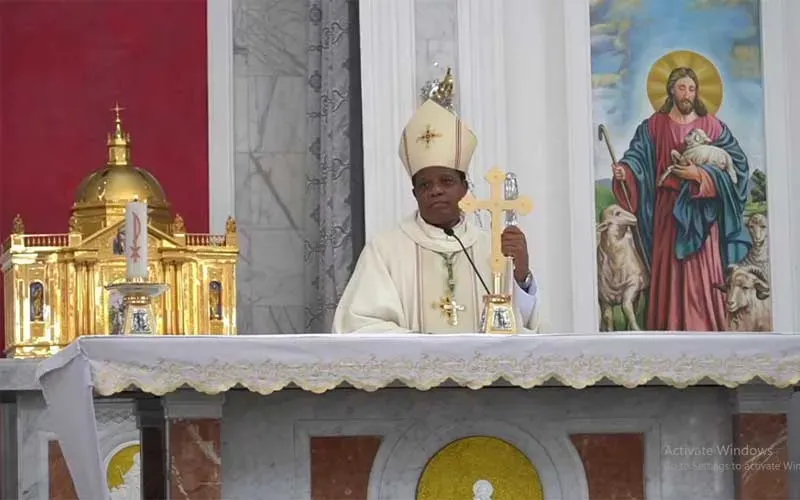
(466, 466)
(121, 464)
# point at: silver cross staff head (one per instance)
(511, 192)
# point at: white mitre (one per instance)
(435, 137)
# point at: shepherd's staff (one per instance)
(602, 134)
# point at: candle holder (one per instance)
(137, 303)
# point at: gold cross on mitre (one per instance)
(496, 205)
(428, 136)
(450, 308)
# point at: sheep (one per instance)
(621, 275)
(758, 255)
(748, 301)
(699, 151)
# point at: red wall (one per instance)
(63, 65)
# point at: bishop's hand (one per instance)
(514, 245)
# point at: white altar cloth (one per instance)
(318, 363)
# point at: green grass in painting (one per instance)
(603, 197)
(755, 207)
(621, 323)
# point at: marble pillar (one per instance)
(761, 451)
(341, 465)
(33, 447)
(271, 144)
(8, 449)
(194, 445)
(793, 438)
(61, 485)
(761, 441)
(614, 464)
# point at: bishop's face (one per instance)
(438, 191)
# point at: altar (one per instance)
(580, 410)
(385, 416)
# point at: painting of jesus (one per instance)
(678, 211)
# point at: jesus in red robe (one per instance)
(692, 224)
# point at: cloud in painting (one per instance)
(611, 36)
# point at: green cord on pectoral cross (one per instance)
(447, 305)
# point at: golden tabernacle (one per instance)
(55, 284)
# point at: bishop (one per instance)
(417, 277)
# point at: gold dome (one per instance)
(103, 195)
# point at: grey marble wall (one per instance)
(271, 144)
(436, 39)
(265, 439)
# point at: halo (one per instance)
(707, 74)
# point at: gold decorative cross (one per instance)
(450, 308)
(497, 206)
(116, 109)
(428, 136)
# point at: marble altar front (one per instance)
(329, 417)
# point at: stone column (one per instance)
(152, 429)
(195, 446)
(9, 449)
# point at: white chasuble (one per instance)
(401, 283)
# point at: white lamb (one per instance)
(700, 152)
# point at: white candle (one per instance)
(136, 240)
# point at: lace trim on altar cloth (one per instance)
(428, 372)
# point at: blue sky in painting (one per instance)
(628, 36)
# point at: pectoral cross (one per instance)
(496, 205)
(450, 308)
